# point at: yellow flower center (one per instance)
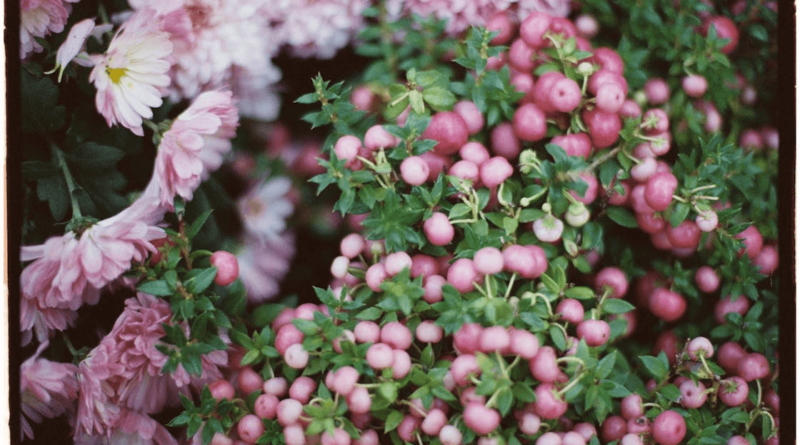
(115, 73)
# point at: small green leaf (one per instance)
(580, 293)
(622, 217)
(159, 288)
(617, 306)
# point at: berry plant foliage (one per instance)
(561, 223)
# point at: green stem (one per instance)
(76, 210)
(570, 385)
(510, 285)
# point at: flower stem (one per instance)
(76, 209)
(510, 285)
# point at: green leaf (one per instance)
(558, 338)
(605, 366)
(38, 104)
(679, 214)
(655, 366)
(392, 421)
(91, 156)
(54, 190)
(307, 327)
(580, 293)
(439, 98)
(369, 314)
(622, 217)
(617, 306)
(198, 224)
(159, 288)
(388, 391)
(201, 280)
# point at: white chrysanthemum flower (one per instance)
(265, 208)
(263, 266)
(128, 76)
(318, 28)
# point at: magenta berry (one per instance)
(438, 229)
(565, 95)
(302, 388)
(738, 440)
(481, 419)
(693, 394)
(471, 115)
(613, 428)
(379, 356)
(519, 259)
(294, 434)
(706, 279)
(250, 428)
(733, 391)
(529, 423)
(728, 305)
(667, 305)
(467, 338)
(449, 130)
(631, 407)
(521, 56)
(396, 335)
(729, 355)
(414, 170)
(575, 144)
(359, 401)
(570, 310)
(543, 366)
(753, 366)
(227, 267)
(502, 24)
(339, 267)
(753, 241)
(642, 171)
(266, 406)
(529, 122)
(504, 143)
(767, 260)
(685, 236)
(249, 380)
(534, 27)
(352, 245)
(408, 427)
(725, 29)
(659, 190)
(700, 346)
(401, 364)
(424, 265)
(465, 170)
(657, 91)
(604, 127)
(610, 97)
(694, 85)
(548, 405)
(541, 91)
(669, 428)
(614, 279)
(595, 332)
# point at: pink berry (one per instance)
(669, 428)
(548, 229)
(462, 367)
(434, 421)
(547, 404)
(408, 426)
(295, 356)
(433, 288)
(725, 29)
(733, 391)
(358, 401)
(302, 388)
(541, 90)
(700, 346)
(504, 142)
(438, 229)
(368, 437)
(753, 241)
(436, 164)
(450, 435)
(659, 190)
(222, 389)
(474, 152)
(339, 437)
(521, 57)
(250, 428)
(414, 170)
(467, 338)
(570, 310)
(631, 407)
(639, 425)
(566, 96)
(610, 97)
(344, 380)
(424, 265)
(738, 440)
(650, 222)
(428, 332)
(533, 28)
(630, 110)
(587, 26)
(362, 98)
(604, 76)
(586, 430)
(728, 305)
(466, 170)
(543, 366)
(590, 194)
(495, 338)
(604, 127)
(488, 261)
(707, 221)
(471, 114)
(523, 344)
(575, 144)
(529, 121)
(685, 236)
(707, 279)
(657, 91)
(767, 260)
(729, 355)
(529, 423)
(609, 60)
(667, 305)
(306, 311)
(367, 332)
(502, 24)
(227, 267)
(347, 148)
(692, 395)
(523, 83)
(266, 406)
(339, 267)
(572, 438)
(614, 279)
(396, 335)
(249, 380)
(379, 356)
(613, 428)
(375, 276)
(221, 439)
(396, 262)
(549, 438)
(352, 245)
(694, 85)
(631, 439)
(377, 137)
(644, 170)
(753, 366)
(521, 260)
(285, 317)
(401, 364)
(462, 274)
(449, 130)
(481, 419)
(495, 171)
(595, 332)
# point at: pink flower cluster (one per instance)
(194, 145)
(39, 18)
(121, 382)
(47, 389)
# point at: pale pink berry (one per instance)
(738, 440)
(642, 171)
(462, 274)
(294, 434)
(474, 152)
(753, 366)
(249, 380)
(467, 338)
(495, 171)
(725, 29)
(465, 170)
(227, 267)
(604, 76)
(471, 114)
(503, 25)
(362, 98)
(414, 170)
(250, 428)
(548, 229)
(657, 121)
(529, 121)
(587, 26)
(543, 366)
(692, 395)
(407, 428)
(657, 91)
(449, 130)
(549, 438)
(694, 85)
(495, 338)
(533, 28)
(377, 137)
(523, 344)
(706, 279)
(375, 276)
(572, 438)
(753, 241)
(401, 364)
(728, 305)
(630, 110)
(289, 411)
(733, 391)
(631, 439)
(640, 425)
(339, 437)
(488, 261)
(436, 164)
(302, 388)
(221, 439)
(570, 310)
(285, 317)
(352, 245)
(347, 148)
(277, 386)
(707, 221)
(462, 367)
(547, 404)
(287, 335)
(222, 389)
(368, 437)
(367, 332)
(669, 428)
(529, 423)
(481, 419)
(434, 421)
(433, 288)
(565, 95)
(631, 407)
(590, 194)
(266, 406)
(614, 279)
(520, 260)
(344, 380)
(380, 356)
(767, 260)
(773, 401)
(504, 142)
(586, 430)
(667, 305)
(295, 356)
(438, 229)
(396, 335)
(450, 435)
(396, 262)
(424, 265)
(610, 97)
(339, 267)
(359, 401)
(594, 332)
(428, 332)
(700, 346)
(468, 395)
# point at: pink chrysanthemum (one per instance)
(132, 428)
(48, 389)
(557, 8)
(68, 271)
(128, 76)
(318, 28)
(265, 207)
(39, 18)
(194, 145)
(262, 266)
(122, 376)
(460, 14)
